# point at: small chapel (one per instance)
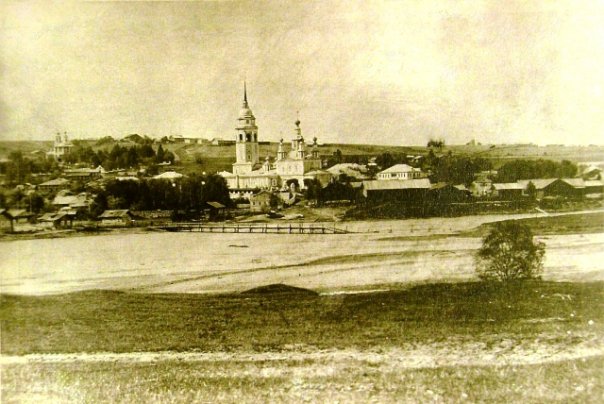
(250, 173)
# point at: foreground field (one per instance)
(481, 342)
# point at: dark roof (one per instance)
(115, 214)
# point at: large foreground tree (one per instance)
(509, 252)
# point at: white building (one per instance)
(401, 172)
(249, 172)
(61, 147)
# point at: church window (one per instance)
(247, 137)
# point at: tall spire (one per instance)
(244, 93)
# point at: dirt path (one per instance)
(417, 356)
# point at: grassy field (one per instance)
(310, 381)
(127, 322)
(445, 342)
(563, 224)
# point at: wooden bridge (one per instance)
(280, 228)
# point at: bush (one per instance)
(509, 252)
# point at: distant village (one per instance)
(139, 181)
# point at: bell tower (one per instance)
(246, 143)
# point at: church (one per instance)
(292, 166)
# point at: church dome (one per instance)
(245, 112)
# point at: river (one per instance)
(385, 252)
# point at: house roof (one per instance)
(508, 186)
(539, 183)
(55, 182)
(115, 214)
(19, 213)
(168, 175)
(399, 168)
(594, 183)
(441, 185)
(53, 217)
(376, 185)
(216, 205)
(81, 200)
(574, 182)
(46, 217)
(65, 200)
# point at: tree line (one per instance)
(119, 156)
(189, 193)
(515, 170)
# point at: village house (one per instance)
(570, 188)
(117, 217)
(83, 174)
(543, 187)
(411, 191)
(591, 172)
(221, 142)
(54, 185)
(508, 191)
(78, 203)
(215, 210)
(6, 221)
(169, 176)
(261, 202)
(444, 193)
(594, 188)
(59, 220)
(10, 218)
(401, 172)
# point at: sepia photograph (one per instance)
(287, 201)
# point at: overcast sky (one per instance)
(387, 72)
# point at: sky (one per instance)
(379, 72)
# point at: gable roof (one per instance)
(377, 185)
(168, 175)
(216, 205)
(115, 214)
(54, 183)
(574, 182)
(400, 168)
(19, 213)
(508, 186)
(539, 183)
(594, 183)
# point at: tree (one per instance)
(160, 154)
(531, 190)
(438, 144)
(509, 252)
